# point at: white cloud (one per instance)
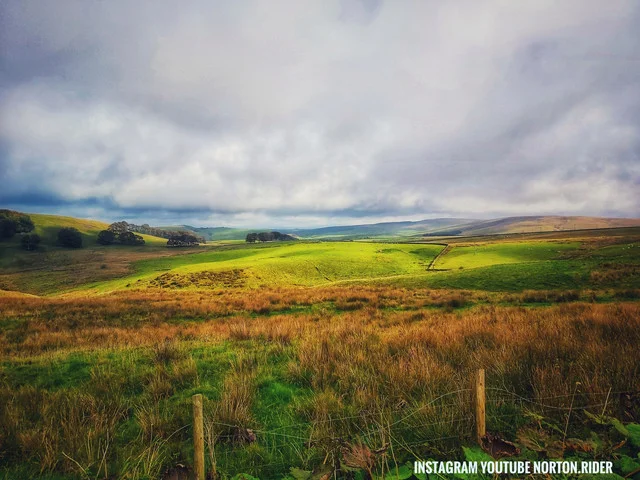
(272, 111)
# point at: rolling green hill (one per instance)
(47, 226)
(279, 264)
(474, 256)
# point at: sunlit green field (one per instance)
(286, 264)
(500, 267)
(483, 255)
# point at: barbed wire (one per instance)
(554, 407)
(362, 415)
(564, 395)
(368, 423)
(430, 403)
(372, 416)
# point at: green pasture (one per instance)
(289, 264)
(507, 267)
(489, 264)
(484, 255)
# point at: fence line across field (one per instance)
(362, 415)
(479, 403)
(555, 407)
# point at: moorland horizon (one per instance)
(188, 221)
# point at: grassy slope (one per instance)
(379, 230)
(484, 265)
(503, 266)
(51, 269)
(291, 263)
(47, 227)
(473, 256)
(492, 267)
(513, 267)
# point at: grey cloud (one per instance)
(321, 111)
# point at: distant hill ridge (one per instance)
(435, 227)
(47, 226)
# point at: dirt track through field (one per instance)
(442, 253)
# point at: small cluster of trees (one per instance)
(30, 241)
(268, 237)
(122, 226)
(109, 237)
(69, 237)
(123, 232)
(12, 223)
(183, 239)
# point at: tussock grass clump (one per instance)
(240, 331)
(230, 420)
(167, 351)
(68, 430)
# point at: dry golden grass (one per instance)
(375, 359)
(398, 354)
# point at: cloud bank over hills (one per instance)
(332, 112)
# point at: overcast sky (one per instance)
(304, 113)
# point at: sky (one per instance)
(328, 112)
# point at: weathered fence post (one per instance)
(198, 438)
(481, 428)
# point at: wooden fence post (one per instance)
(481, 428)
(198, 438)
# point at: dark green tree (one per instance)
(24, 224)
(30, 241)
(120, 227)
(182, 239)
(69, 237)
(252, 237)
(106, 237)
(8, 228)
(130, 238)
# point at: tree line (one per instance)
(13, 223)
(123, 233)
(268, 237)
(123, 226)
(109, 237)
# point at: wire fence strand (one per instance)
(453, 421)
